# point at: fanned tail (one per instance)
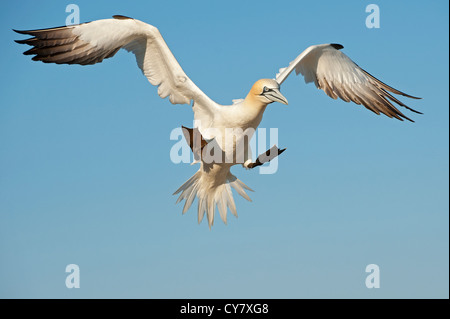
(212, 194)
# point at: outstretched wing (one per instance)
(92, 42)
(337, 75)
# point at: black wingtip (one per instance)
(412, 110)
(337, 46)
(121, 17)
(410, 96)
(406, 118)
(20, 31)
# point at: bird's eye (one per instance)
(265, 89)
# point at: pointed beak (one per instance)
(276, 96)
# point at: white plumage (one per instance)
(325, 65)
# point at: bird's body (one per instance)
(230, 130)
(224, 131)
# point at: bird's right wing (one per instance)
(91, 42)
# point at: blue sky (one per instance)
(86, 177)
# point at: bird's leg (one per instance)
(269, 155)
(195, 141)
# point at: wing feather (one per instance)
(92, 42)
(339, 77)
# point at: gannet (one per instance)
(331, 71)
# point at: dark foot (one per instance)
(269, 155)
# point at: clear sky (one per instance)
(86, 177)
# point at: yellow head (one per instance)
(266, 91)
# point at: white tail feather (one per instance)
(210, 194)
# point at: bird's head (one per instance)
(267, 91)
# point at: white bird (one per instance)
(324, 64)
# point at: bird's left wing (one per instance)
(91, 42)
(338, 76)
